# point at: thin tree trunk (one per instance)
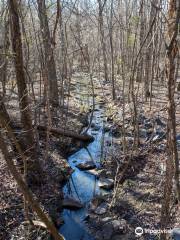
(4, 46)
(174, 16)
(26, 192)
(112, 51)
(28, 140)
(20, 74)
(149, 50)
(172, 165)
(103, 43)
(48, 52)
(141, 38)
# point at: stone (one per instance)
(159, 136)
(109, 119)
(98, 235)
(101, 209)
(94, 133)
(116, 132)
(107, 129)
(71, 203)
(160, 122)
(178, 137)
(160, 131)
(117, 237)
(129, 140)
(133, 220)
(93, 125)
(108, 143)
(175, 233)
(106, 183)
(86, 217)
(161, 147)
(95, 202)
(143, 133)
(141, 119)
(96, 128)
(86, 165)
(106, 219)
(107, 231)
(109, 173)
(103, 173)
(148, 124)
(94, 172)
(83, 119)
(119, 225)
(149, 131)
(155, 138)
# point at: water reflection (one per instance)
(82, 185)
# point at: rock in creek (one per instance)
(178, 137)
(86, 165)
(106, 183)
(95, 202)
(106, 219)
(176, 233)
(101, 209)
(95, 127)
(94, 172)
(107, 128)
(71, 203)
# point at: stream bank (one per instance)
(138, 193)
(138, 196)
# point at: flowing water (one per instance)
(82, 185)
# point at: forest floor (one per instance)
(56, 171)
(136, 198)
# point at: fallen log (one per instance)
(67, 133)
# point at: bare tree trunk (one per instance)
(48, 52)
(149, 51)
(172, 161)
(63, 54)
(4, 46)
(103, 43)
(20, 74)
(141, 38)
(174, 16)
(26, 192)
(28, 140)
(112, 51)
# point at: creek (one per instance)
(82, 185)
